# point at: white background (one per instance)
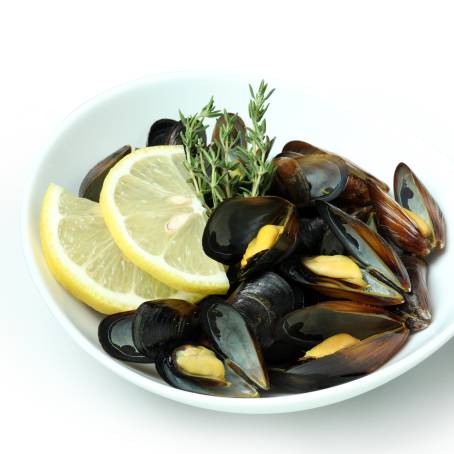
(54, 55)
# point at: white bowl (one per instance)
(123, 115)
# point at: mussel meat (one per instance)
(339, 276)
(414, 222)
(156, 323)
(367, 247)
(256, 232)
(196, 368)
(115, 337)
(341, 340)
(91, 185)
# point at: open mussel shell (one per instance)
(411, 194)
(370, 249)
(233, 384)
(311, 234)
(115, 337)
(397, 225)
(91, 185)
(380, 334)
(262, 300)
(229, 334)
(310, 326)
(416, 310)
(236, 222)
(159, 322)
(374, 292)
(304, 178)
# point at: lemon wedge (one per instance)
(83, 257)
(156, 219)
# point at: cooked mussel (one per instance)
(160, 132)
(229, 334)
(303, 178)
(196, 368)
(340, 276)
(262, 300)
(341, 340)
(414, 222)
(254, 232)
(305, 173)
(416, 309)
(91, 185)
(115, 336)
(156, 323)
(368, 248)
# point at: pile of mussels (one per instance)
(327, 281)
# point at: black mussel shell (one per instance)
(304, 148)
(305, 178)
(91, 185)
(261, 301)
(370, 249)
(376, 292)
(235, 385)
(416, 311)
(115, 337)
(343, 366)
(160, 131)
(230, 336)
(309, 326)
(312, 232)
(236, 222)
(159, 322)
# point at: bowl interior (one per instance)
(124, 115)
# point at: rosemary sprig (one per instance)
(226, 167)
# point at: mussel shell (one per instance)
(345, 365)
(304, 178)
(236, 386)
(236, 222)
(309, 326)
(159, 322)
(376, 292)
(159, 132)
(301, 147)
(91, 185)
(261, 301)
(367, 247)
(115, 337)
(395, 224)
(416, 310)
(312, 232)
(230, 336)
(411, 194)
(239, 129)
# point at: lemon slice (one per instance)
(157, 220)
(83, 257)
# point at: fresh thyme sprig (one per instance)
(254, 159)
(228, 167)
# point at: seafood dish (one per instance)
(240, 273)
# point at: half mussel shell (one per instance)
(91, 185)
(115, 337)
